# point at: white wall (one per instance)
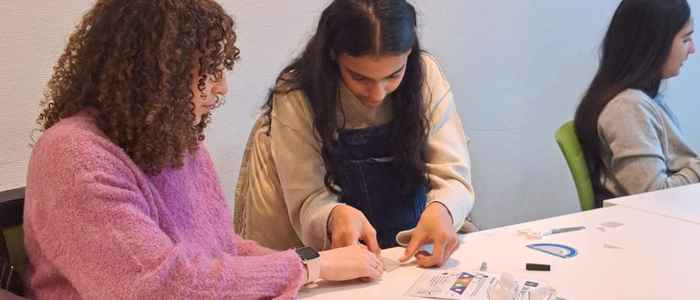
(517, 68)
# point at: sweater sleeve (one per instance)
(297, 156)
(90, 218)
(633, 130)
(243, 247)
(251, 248)
(448, 164)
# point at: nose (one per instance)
(691, 49)
(377, 92)
(221, 86)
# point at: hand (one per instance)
(350, 262)
(348, 225)
(435, 225)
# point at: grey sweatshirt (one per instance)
(643, 149)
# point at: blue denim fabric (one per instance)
(370, 182)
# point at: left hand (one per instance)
(434, 226)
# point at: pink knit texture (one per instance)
(97, 227)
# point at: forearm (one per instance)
(301, 171)
(456, 198)
(645, 174)
(183, 276)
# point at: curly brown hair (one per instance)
(131, 62)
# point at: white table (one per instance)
(682, 202)
(658, 259)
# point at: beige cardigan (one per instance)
(281, 200)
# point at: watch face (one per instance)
(307, 253)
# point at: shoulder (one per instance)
(76, 145)
(436, 89)
(431, 65)
(630, 103)
(630, 115)
(433, 73)
(630, 98)
(291, 109)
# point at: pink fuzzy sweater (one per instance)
(97, 227)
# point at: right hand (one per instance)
(350, 262)
(348, 225)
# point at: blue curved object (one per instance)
(558, 250)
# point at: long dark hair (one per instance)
(635, 48)
(358, 28)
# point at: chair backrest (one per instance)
(571, 148)
(12, 237)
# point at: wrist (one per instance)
(442, 210)
(329, 222)
(305, 268)
(323, 264)
(311, 261)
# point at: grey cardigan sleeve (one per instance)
(636, 133)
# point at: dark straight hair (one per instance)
(359, 28)
(635, 48)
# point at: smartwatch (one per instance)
(312, 261)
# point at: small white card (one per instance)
(389, 264)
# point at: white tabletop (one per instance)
(648, 257)
(681, 202)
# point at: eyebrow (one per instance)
(390, 75)
(690, 33)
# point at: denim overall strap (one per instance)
(370, 182)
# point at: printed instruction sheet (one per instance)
(463, 285)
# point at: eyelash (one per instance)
(394, 76)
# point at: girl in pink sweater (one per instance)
(122, 197)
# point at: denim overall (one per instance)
(370, 182)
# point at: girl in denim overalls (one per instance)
(364, 139)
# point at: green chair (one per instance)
(12, 241)
(571, 148)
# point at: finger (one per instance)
(421, 255)
(374, 272)
(455, 246)
(378, 261)
(450, 248)
(343, 242)
(344, 239)
(336, 241)
(437, 257)
(417, 240)
(369, 236)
